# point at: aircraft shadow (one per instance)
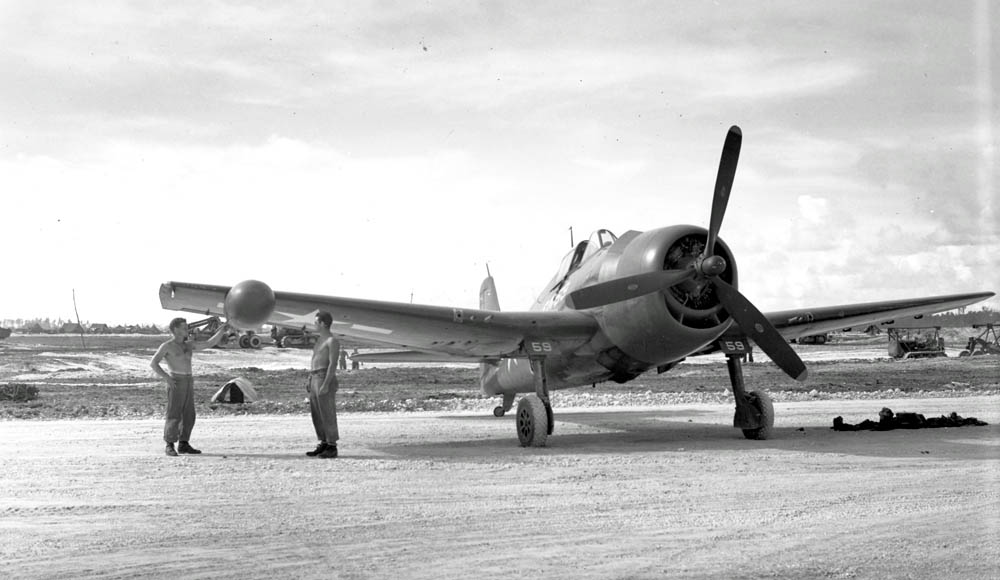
(636, 432)
(353, 454)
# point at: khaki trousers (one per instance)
(180, 409)
(323, 408)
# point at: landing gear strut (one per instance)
(754, 410)
(534, 411)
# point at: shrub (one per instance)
(18, 392)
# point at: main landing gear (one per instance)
(534, 411)
(754, 410)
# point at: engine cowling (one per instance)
(249, 304)
(663, 327)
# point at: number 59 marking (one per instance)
(540, 346)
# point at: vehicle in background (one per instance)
(920, 342)
(814, 339)
(293, 337)
(203, 329)
(987, 342)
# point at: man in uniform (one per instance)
(177, 352)
(322, 388)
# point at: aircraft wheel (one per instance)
(532, 422)
(963, 353)
(244, 341)
(762, 402)
(498, 411)
(254, 342)
(549, 417)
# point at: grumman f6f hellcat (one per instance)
(618, 306)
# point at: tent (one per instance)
(238, 390)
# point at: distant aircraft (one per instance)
(616, 308)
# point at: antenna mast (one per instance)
(77, 312)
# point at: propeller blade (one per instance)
(760, 329)
(724, 184)
(625, 288)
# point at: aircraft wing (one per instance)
(468, 333)
(809, 321)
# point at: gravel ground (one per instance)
(640, 492)
(643, 480)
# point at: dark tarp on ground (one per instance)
(887, 421)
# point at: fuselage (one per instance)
(655, 330)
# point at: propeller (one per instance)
(708, 267)
(759, 328)
(627, 287)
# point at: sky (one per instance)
(391, 150)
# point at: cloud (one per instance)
(813, 209)
(435, 137)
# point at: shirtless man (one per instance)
(180, 384)
(322, 388)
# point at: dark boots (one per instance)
(320, 448)
(324, 450)
(185, 447)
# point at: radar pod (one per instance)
(249, 304)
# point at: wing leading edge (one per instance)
(808, 321)
(462, 333)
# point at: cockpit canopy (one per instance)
(583, 251)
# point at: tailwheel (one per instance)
(532, 421)
(762, 403)
(508, 403)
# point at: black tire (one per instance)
(532, 422)
(762, 402)
(498, 411)
(254, 342)
(244, 341)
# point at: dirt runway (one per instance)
(669, 492)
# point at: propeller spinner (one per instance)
(707, 268)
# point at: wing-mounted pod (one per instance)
(249, 304)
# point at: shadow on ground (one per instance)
(641, 432)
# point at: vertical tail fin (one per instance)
(488, 300)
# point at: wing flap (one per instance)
(416, 356)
